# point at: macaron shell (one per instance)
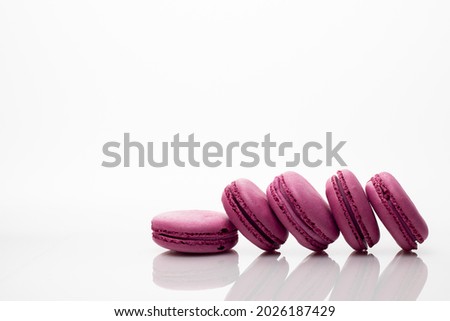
(360, 207)
(286, 214)
(245, 227)
(192, 221)
(312, 203)
(405, 203)
(383, 188)
(259, 224)
(194, 231)
(315, 227)
(388, 221)
(345, 225)
(195, 246)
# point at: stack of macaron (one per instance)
(292, 205)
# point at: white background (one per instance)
(74, 75)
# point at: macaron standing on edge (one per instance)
(302, 210)
(247, 207)
(194, 231)
(352, 211)
(396, 210)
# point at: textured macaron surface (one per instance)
(396, 210)
(302, 211)
(194, 231)
(352, 210)
(247, 207)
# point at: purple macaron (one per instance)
(246, 206)
(194, 231)
(396, 210)
(302, 210)
(352, 210)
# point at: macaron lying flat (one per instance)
(246, 206)
(396, 210)
(194, 231)
(302, 210)
(352, 210)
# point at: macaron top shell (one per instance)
(396, 210)
(302, 210)
(190, 222)
(247, 207)
(352, 210)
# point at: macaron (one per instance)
(247, 207)
(352, 211)
(396, 210)
(194, 231)
(302, 210)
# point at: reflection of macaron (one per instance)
(358, 278)
(352, 210)
(312, 280)
(396, 210)
(194, 231)
(180, 271)
(261, 280)
(302, 211)
(246, 206)
(403, 279)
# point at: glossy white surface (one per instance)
(130, 267)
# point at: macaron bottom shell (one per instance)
(192, 245)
